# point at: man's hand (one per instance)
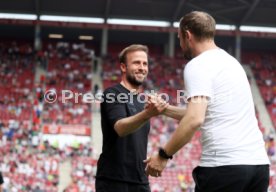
(155, 165)
(155, 105)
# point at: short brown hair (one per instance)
(200, 24)
(131, 48)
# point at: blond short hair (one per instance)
(131, 48)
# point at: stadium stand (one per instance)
(69, 68)
(17, 77)
(264, 68)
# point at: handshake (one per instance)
(155, 105)
(155, 165)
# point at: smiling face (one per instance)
(135, 68)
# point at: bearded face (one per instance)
(187, 51)
(136, 67)
(185, 46)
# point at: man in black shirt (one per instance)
(125, 127)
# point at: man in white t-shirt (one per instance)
(220, 104)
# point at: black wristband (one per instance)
(162, 153)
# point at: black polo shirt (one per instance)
(122, 157)
(1, 179)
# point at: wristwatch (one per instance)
(162, 153)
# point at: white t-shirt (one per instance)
(230, 133)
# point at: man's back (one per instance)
(230, 133)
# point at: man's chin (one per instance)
(136, 81)
(139, 82)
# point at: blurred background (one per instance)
(51, 50)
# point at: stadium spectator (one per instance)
(125, 127)
(220, 103)
(270, 146)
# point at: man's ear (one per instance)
(188, 34)
(123, 67)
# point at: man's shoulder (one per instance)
(194, 66)
(113, 89)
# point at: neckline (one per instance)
(130, 91)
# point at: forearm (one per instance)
(182, 135)
(175, 112)
(128, 125)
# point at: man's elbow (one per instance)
(119, 130)
(120, 134)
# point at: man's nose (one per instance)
(142, 67)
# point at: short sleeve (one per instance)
(112, 109)
(197, 82)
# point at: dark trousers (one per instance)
(234, 178)
(104, 185)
